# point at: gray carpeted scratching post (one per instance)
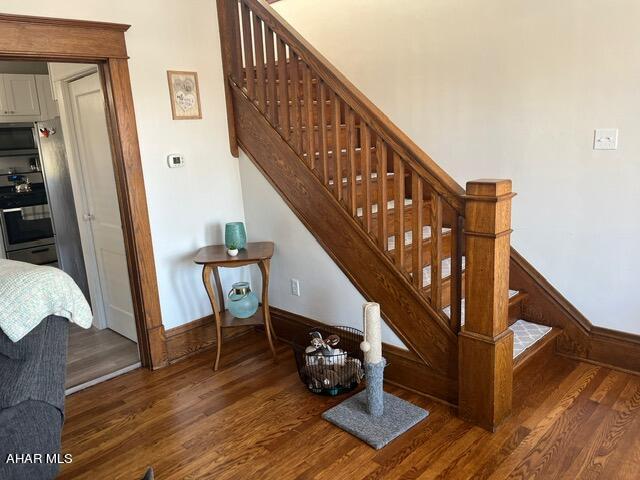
(372, 415)
(374, 373)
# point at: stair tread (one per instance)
(390, 206)
(374, 176)
(408, 237)
(526, 335)
(445, 270)
(447, 310)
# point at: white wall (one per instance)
(514, 89)
(326, 294)
(188, 207)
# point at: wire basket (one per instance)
(330, 371)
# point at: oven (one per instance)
(26, 220)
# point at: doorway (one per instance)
(103, 44)
(71, 172)
(110, 347)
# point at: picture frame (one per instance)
(185, 95)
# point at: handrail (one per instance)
(411, 208)
(422, 163)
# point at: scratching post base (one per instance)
(353, 416)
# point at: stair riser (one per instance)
(426, 252)
(446, 291)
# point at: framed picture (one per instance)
(185, 95)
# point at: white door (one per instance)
(20, 95)
(94, 152)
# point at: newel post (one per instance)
(485, 342)
(229, 44)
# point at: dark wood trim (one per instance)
(196, 336)
(404, 368)
(580, 339)
(58, 39)
(51, 39)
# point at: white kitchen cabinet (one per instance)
(20, 95)
(48, 106)
(26, 98)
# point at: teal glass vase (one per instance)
(235, 236)
(242, 303)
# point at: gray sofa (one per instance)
(32, 377)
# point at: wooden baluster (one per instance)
(324, 144)
(365, 155)
(296, 114)
(485, 381)
(236, 47)
(308, 103)
(456, 272)
(351, 162)
(248, 51)
(398, 209)
(271, 76)
(337, 148)
(283, 88)
(383, 232)
(436, 251)
(231, 61)
(258, 47)
(417, 202)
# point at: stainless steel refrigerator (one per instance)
(55, 169)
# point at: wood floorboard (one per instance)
(94, 353)
(254, 419)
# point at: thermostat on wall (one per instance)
(175, 160)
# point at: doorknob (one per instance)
(88, 217)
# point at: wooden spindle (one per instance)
(351, 162)
(271, 76)
(322, 132)
(308, 103)
(258, 47)
(436, 251)
(296, 114)
(398, 209)
(417, 203)
(383, 231)
(283, 82)
(337, 148)
(456, 272)
(236, 49)
(365, 133)
(248, 51)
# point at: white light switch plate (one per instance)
(605, 139)
(295, 287)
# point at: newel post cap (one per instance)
(489, 187)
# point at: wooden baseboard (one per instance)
(580, 339)
(404, 368)
(193, 337)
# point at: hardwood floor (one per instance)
(94, 353)
(253, 419)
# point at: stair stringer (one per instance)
(406, 312)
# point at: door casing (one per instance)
(50, 40)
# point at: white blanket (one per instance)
(29, 293)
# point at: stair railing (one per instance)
(408, 205)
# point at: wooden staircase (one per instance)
(434, 255)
